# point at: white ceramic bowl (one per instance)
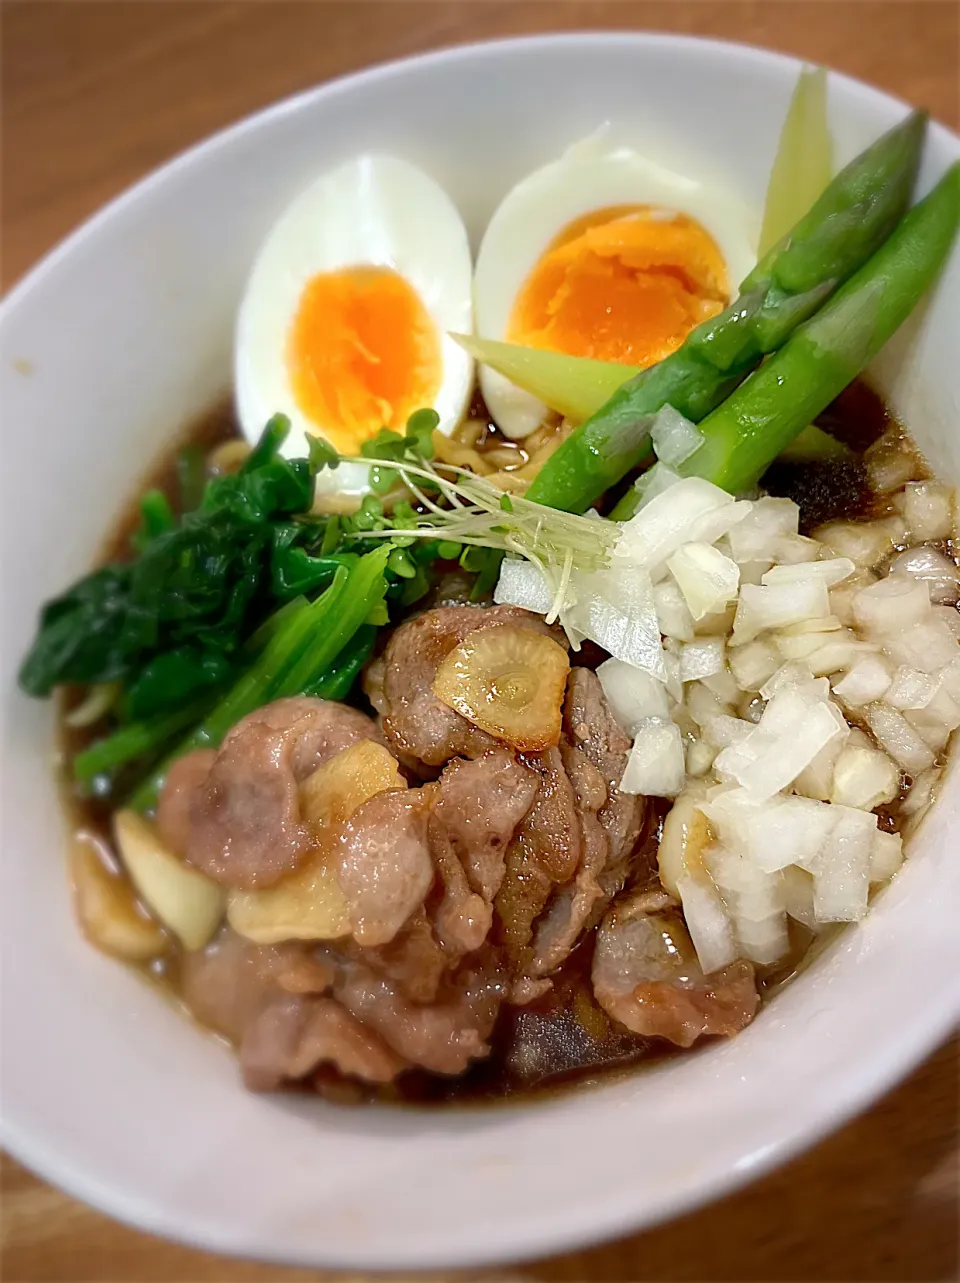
(107, 347)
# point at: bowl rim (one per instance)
(925, 1027)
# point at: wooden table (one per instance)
(94, 95)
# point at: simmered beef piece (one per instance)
(227, 984)
(591, 727)
(443, 1035)
(543, 855)
(383, 864)
(415, 722)
(292, 1036)
(238, 820)
(646, 976)
(476, 808)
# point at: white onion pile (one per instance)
(779, 688)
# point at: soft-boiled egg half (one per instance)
(343, 326)
(603, 254)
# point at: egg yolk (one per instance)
(362, 354)
(624, 284)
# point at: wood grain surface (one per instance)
(93, 96)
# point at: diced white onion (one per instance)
(755, 537)
(673, 614)
(672, 683)
(718, 623)
(926, 646)
(674, 438)
(721, 731)
(633, 695)
(935, 722)
(840, 651)
(940, 573)
(816, 780)
(911, 689)
(754, 901)
(706, 918)
(702, 658)
(791, 550)
(692, 510)
(707, 579)
(889, 465)
(866, 681)
(702, 704)
(699, 757)
(891, 604)
(949, 679)
(618, 614)
(895, 734)
(921, 793)
(950, 616)
(655, 766)
(886, 855)
(753, 664)
(775, 606)
(654, 482)
(794, 645)
(863, 778)
(864, 542)
(832, 571)
(928, 509)
(789, 735)
(772, 834)
(797, 677)
(828, 624)
(724, 685)
(841, 878)
(797, 894)
(522, 584)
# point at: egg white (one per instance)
(373, 210)
(593, 174)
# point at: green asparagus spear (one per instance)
(745, 434)
(852, 218)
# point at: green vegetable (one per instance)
(804, 159)
(847, 224)
(337, 682)
(137, 740)
(744, 435)
(813, 445)
(574, 386)
(298, 654)
(202, 582)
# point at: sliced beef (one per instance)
(173, 808)
(462, 918)
(646, 976)
(544, 854)
(572, 908)
(227, 984)
(266, 1000)
(477, 809)
(383, 864)
(400, 686)
(240, 822)
(292, 1036)
(414, 960)
(591, 727)
(442, 1036)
